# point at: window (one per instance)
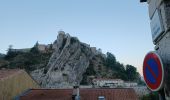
(101, 98)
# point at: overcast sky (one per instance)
(120, 27)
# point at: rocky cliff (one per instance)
(68, 63)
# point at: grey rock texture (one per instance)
(67, 64)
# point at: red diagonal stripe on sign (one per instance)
(150, 69)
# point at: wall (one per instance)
(163, 45)
(12, 86)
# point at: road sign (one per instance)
(156, 25)
(153, 71)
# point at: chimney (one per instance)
(76, 93)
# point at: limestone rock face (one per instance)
(67, 64)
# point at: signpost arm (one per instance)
(162, 95)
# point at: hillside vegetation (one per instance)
(111, 68)
(29, 61)
(68, 61)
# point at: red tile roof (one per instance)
(85, 94)
(5, 73)
(46, 94)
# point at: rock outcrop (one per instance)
(67, 64)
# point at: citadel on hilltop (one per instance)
(68, 62)
(40, 47)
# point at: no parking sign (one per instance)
(153, 71)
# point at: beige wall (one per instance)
(14, 85)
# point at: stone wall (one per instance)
(163, 42)
(163, 45)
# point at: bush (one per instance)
(151, 96)
(73, 40)
(89, 72)
(29, 61)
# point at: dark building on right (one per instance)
(159, 14)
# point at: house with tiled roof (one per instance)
(102, 82)
(79, 94)
(113, 83)
(13, 82)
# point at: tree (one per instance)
(51, 46)
(10, 53)
(118, 69)
(132, 73)
(151, 96)
(35, 48)
(121, 71)
(36, 44)
(110, 60)
(90, 71)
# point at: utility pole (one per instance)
(159, 14)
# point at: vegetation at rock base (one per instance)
(35, 59)
(90, 71)
(100, 66)
(151, 96)
(29, 61)
(113, 69)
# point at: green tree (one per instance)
(117, 68)
(110, 60)
(34, 50)
(121, 71)
(132, 73)
(151, 96)
(10, 54)
(89, 72)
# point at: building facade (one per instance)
(108, 83)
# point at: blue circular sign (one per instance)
(153, 71)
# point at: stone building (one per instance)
(108, 82)
(130, 84)
(24, 50)
(159, 14)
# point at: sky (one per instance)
(116, 26)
